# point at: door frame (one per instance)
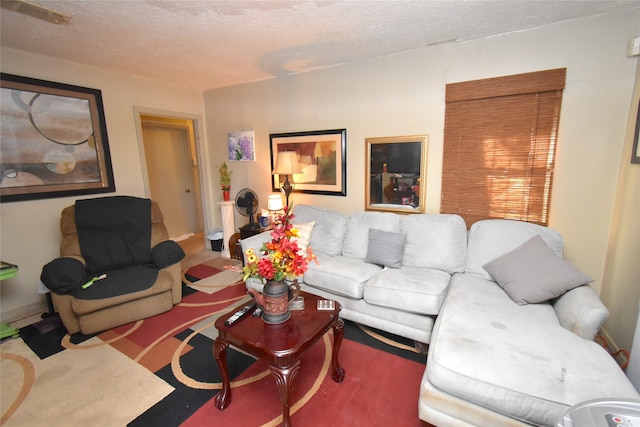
(200, 155)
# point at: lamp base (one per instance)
(287, 188)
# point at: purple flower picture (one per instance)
(241, 146)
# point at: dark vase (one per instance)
(274, 300)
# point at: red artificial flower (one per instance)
(281, 257)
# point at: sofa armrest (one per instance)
(254, 242)
(581, 311)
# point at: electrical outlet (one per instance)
(634, 47)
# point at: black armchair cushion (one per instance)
(64, 275)
(120, 282)
(114, 232)
(166, 253)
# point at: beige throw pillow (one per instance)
(304, 235)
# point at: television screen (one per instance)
(403, 157)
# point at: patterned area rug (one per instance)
(212, 275)
(161, 372)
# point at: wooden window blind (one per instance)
(499, 146)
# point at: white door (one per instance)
(172, 173)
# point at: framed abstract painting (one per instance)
(321, 158)
(53, 140)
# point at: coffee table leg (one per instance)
(284, 381)
(223, 399)
(338, 333)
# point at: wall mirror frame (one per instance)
(395, 174)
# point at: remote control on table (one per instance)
(240, 313)
(326, 304)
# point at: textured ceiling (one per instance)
(209, 44)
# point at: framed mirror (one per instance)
(395, 174)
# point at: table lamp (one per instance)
(287, 164)
(274, 204)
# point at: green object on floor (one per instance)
(7, 331)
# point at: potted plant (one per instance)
(225, 180)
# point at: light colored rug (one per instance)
(62, 390)
(226, 273)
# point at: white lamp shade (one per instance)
(274, 202)
(287, 163)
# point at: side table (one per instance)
(235, 248)
(246, 231)
(281, 346)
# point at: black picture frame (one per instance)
(325, 172)
(53, 140)
(635, 153)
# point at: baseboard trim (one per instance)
(15, 315)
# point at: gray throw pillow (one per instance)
(533, 273)
(385, 248)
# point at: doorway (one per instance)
(172, 173)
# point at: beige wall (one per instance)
(403, 94)
(621, 289)
(29, 231)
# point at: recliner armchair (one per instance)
(116, 266)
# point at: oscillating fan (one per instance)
(247, 205)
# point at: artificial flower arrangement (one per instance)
(281, 258)
(225, 177)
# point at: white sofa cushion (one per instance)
(514, 359)
(492, 238)
(329, 229)
(435, 241)
(410, 325)
(413, 289)
(533, 273)
(341, 275)
(356, 239)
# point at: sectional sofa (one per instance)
(509, 323)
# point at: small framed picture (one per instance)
(241, 146)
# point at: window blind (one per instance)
(499, 146)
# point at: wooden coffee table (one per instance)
(281, 346)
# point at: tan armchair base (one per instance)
(89, 317)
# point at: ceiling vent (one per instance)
(35, 11)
